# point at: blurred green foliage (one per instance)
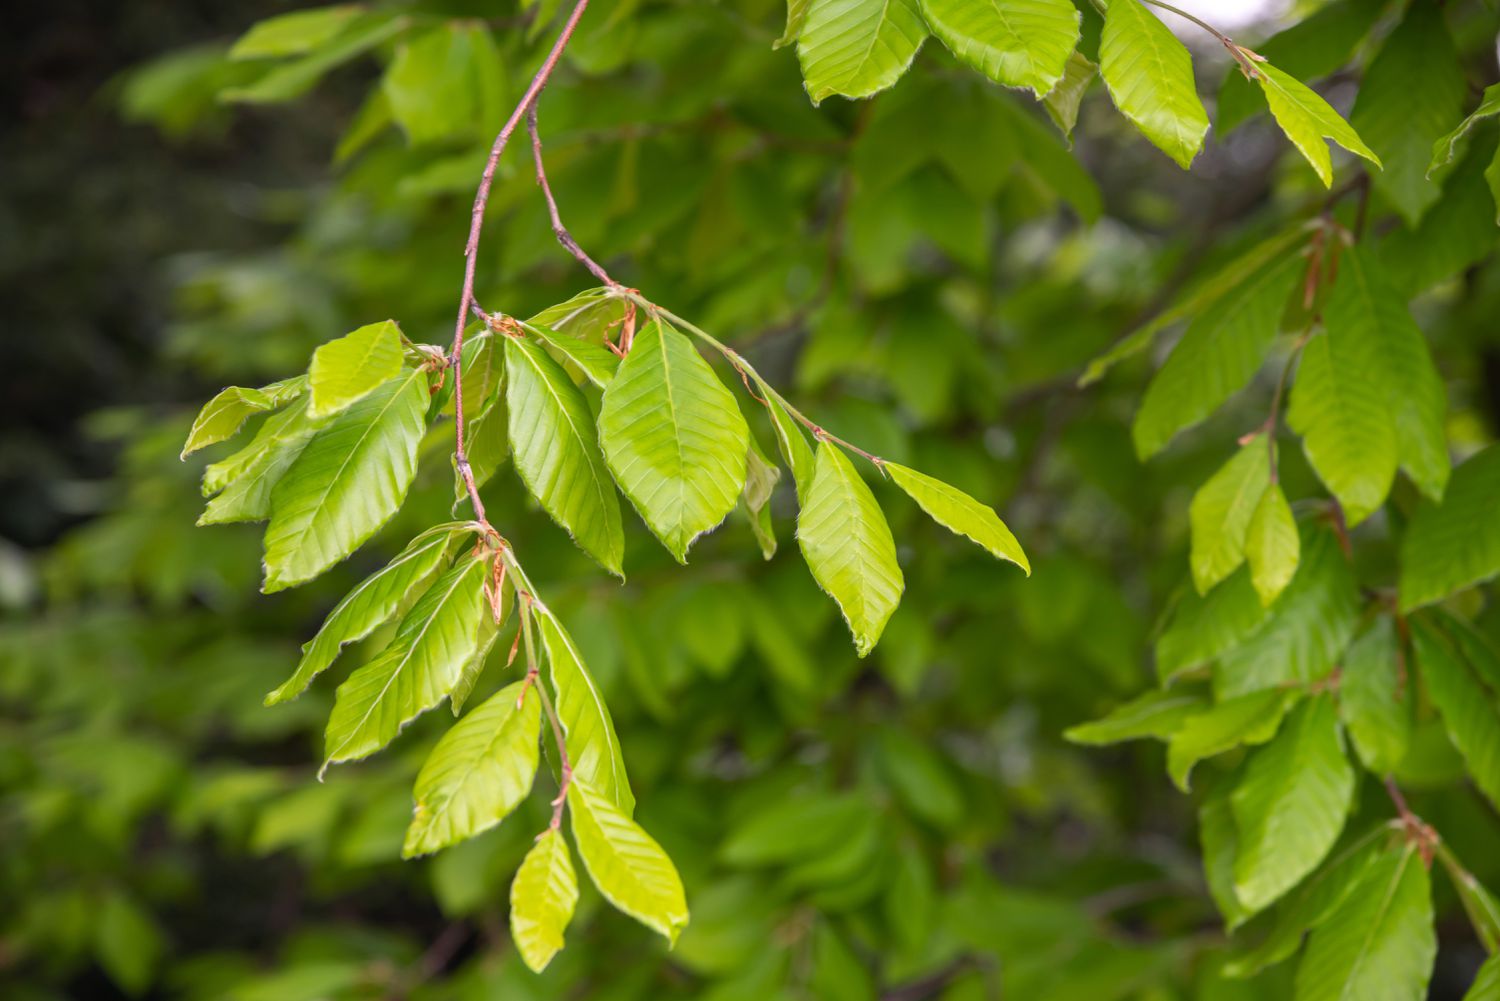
(926, 273)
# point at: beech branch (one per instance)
(563, 236)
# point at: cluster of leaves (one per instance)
(837, 828)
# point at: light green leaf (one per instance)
(1467, 707)
(294, 34)
(1245, 720)
(959, 513)
(1204, 627)
(796, 17)
(442, 83)
(556, 451)
(1380, 943)
(856, 48)
(1480, 906)
(761, 477)
(223, 416)
(1373, 698)
(1219, 843)
(593, 748)
(794, 447)
(673, 437)
(373, 601)
(1455, 544)
(1307, 120)
(127, 942)
(1340, 407)
(290, 80)
(1311, 905)
(1150, 76)
(848, 547)
(486, 445)
(1291, 804)
(1154, 714)
(1063, 100)
(478, 773)
(1200, 298)
(1455, 234)
(1272, 545)
(348, 369)
(1305, 633)
(1446, 148)
(1221, 511)
(1223, 348)
(489, 631)
(542, 898)
(248, 477)
(274, 431)
(1018, 43)
(597, 363)
(1411, 92)
(433, 642)
(1486, 985)
(628, 867)
(1368, 311)
(346, 483)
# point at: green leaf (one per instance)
(794, 447)
(223, 416)
(1412, 90)
(1063, 101)
(1224, 346)
(441, 84)
(348, 369)
(1219, 843)
(248, 477)
(1455, 544)
(478, 773)
(433, 642)
(673, 437)
(542, 899)
(1455, 234)
(1305, 633)
(1373, 698)
(346, 483)
(1481, 907)
(1245, 720)
(1150, 76)
(1446, 148)
(761, 477)
(1307, 120)
(1340, 407)
(1204, 627)
(290, 80)
(959, 513)
(128, 943)
(1254, 262)
(1221, 511)
(1154, 714)
(597, 363)
(1291, 804)
(628, 867)
(856, 48)
(1486, 986)
(556, 451)
(1467, 707)
(489, 631)
(373, 601)
(1380, 943)
(848, 547)
(593, 748)
(1018, 43)
(294, 34)
(1311, 48)
(1272, 545)
(796, 17)
(1367, 311)
(1311, 905)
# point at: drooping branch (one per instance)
(471, 247)
(563, 236)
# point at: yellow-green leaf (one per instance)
(1018, 43)
(1307, 120)
(1272, 545)
(593, 748)
(626, 864)
(1221, 512)
(959, 513)
(1149, 74)
(542, 898)
(856, 48)
(353, 366)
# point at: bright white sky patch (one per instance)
(1224, 14)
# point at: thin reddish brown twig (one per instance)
(471, 247)
(563, 236)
